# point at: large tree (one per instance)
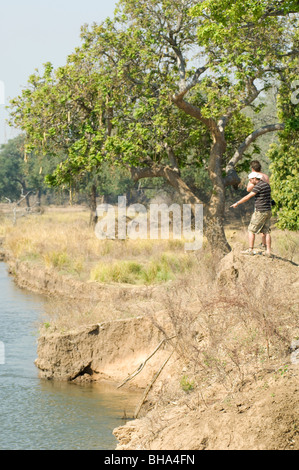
(162, 86)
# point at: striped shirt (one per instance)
(262, 192)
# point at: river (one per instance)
(37, 414)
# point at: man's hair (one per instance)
(255, 165)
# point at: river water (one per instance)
(37, 414)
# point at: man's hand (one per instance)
(234, 205)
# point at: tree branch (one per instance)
(252, 94)
(249, 140)
(191, 110)
(273, 11)
(171, 176)
(179, 56)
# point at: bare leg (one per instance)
(251, 237)
(264, 239)
(268, 242)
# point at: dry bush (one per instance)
(224, 335)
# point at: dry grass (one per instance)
(5, 223)
(226, 337)
(66, 243)
(63, 240)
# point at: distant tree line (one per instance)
(25, 174)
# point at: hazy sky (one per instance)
(33, 32)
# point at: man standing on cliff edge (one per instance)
(257, 167)
(260, 220)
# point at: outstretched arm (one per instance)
(244, 199)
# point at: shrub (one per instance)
(118, 271)
(57, 259)
(186, 384)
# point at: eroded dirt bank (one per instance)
(260, 413)
(109, 350)
(47, 281)
(2, 251)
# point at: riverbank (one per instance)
(74, 349)
(230, 381)
(112, 326)
(2, 250)
(39, 414)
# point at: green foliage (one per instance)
(119, 271)
(58, 115)
(284, 156)
(187, 384)
(73, 109)
(245, 39)
(20, 172)
(57, 259)
(285, 184)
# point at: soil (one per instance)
(261, 414)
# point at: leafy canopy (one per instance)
(114, 99)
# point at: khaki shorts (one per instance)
(260, 222)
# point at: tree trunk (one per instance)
(93, 205)
(216, 209)
(26, 194)
(215, 234)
